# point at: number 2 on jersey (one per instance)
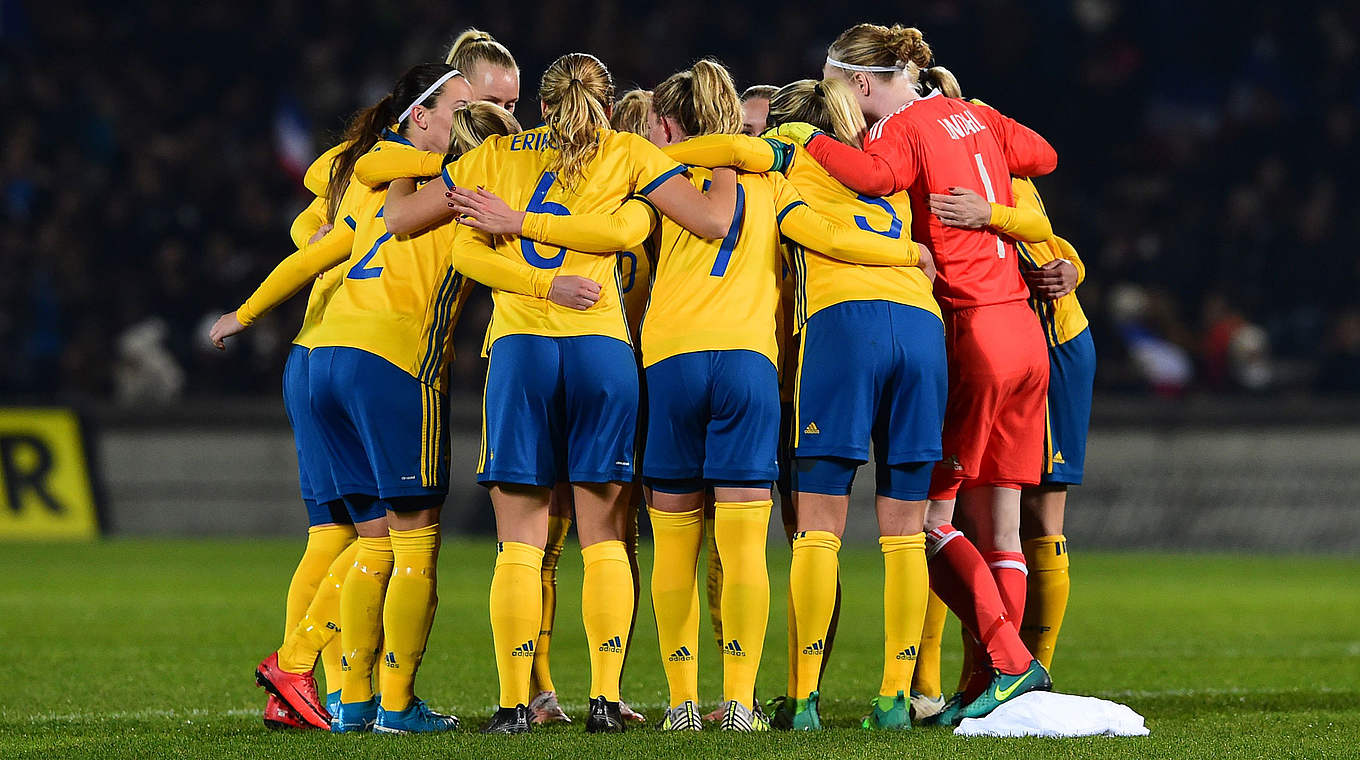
(538, 203)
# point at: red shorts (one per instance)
(998, 382)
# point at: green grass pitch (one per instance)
(145, 648)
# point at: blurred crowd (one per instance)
(152, 153)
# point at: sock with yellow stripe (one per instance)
(320, 624)
(812, 582)
(607, 611)
(361, 609)
(675, 598)
(408, 612)
(1049, 586)
(925, 679)
(552, 552)
(516, 609)
(906, 589)
(740, 529)
(714, 585)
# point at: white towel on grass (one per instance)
(1043, 713)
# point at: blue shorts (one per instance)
(314, 469)
(1072, 371)
(871, 371)
(385, 432)
(713, 415)
(559, 409)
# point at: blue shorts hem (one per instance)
(824, 490)
(392, 493)
(904, 495)
(912, 457)
(663, 473)
(602, 476)
(859, 454)
(1062, 478)
(755, 475)
(516, 479)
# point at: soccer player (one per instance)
(714, 395)
(562, 394)
(377, 383)
(993, 432)
(871, 368)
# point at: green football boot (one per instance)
(889, 714)
(805, 717)
(1004, 688)
(948, 715)
(781, 712)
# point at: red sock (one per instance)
(1012, 577)
(963, 581)
(976, 673)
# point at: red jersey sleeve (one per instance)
(886, 165)
(1027, 153)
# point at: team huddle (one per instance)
(699, 297)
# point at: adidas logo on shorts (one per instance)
(681, 655)
(907, 654)
(811, 429)
(816, 649)
(524, 650)
(614, 645)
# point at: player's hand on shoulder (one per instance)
(1053, 280)
(574, 292)
(483, 210)
(799, 131)
(961, 207)
(226, 326)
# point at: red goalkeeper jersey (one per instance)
(928, 146)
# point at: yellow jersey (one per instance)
(636, 266)
(829, 274)
(1062, 319)
(720, 295)
(515, 167)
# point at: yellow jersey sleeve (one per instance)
(294, 272)
(594, 233)
(476, 259)
(318, 176)
(379, 167)
(798, 222)
(752, 154)
(648, 167)
(1026, 221)
(308, 222)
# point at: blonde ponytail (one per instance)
(942, 79)
(827, 104)
(573, 92)
(475, 122)
(702, 99)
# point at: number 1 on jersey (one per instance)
(729, 242)
(991, 198)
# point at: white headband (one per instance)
(437, 84)
(852, 67)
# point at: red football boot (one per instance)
(278, 716)
(297, 690)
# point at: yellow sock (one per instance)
(557, 536)
(714, 582)
(925, 678)
(675, 598)
(361, 609)
(740, 530)
(607, 610)
(516, 609)
(1048, 588)
(320, 624)
(905, 591)
(408, 612)
(324, 544)
(812, 581)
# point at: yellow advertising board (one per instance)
(45, 485)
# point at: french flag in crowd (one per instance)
(292, 138)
